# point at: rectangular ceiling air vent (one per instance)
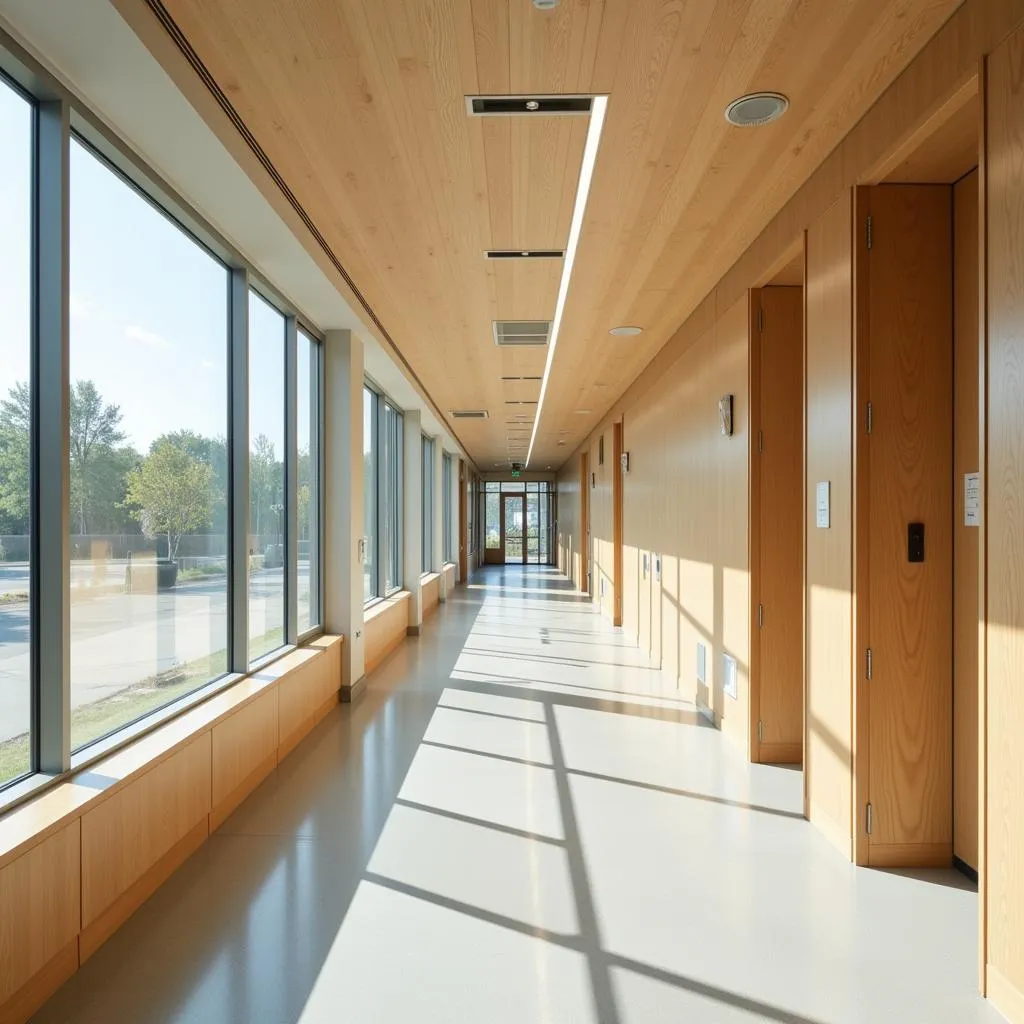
(525, 254)
(469, 414)
(528, 106)
(522, 378)
(521, 332)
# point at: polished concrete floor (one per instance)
(519, 823)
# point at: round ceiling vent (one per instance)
(756, 109)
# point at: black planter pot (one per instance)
(166, 574)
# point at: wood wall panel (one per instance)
(385, 628)
(778, 680)
(128, 833)
(966, 459)
(431, 591)
(685, 500)
(243, 753)
(1004, 504)
(828, 743)
(307, 694)
(40, 909)
(601, 506)
(911, 457)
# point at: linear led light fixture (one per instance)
(597, 112)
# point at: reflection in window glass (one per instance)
(266, 477)
(308, 483)
(427, 510)
(370, 588)
(148, 456)
(16, 116)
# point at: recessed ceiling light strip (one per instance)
(597, 112)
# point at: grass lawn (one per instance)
(90, 722)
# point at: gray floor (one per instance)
(517, 823)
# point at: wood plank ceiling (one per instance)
(360, 105)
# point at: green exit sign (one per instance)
(515, 474)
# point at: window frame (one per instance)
(446, 509)
(427, 491)
(388, 542)
(59, 115)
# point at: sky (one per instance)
(149, 307)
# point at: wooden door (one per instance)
(910, 460)
(778, 690)
(585, 555)
(617, 581)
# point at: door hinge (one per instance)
(760, 320)
(869, 663)
(760, 616)
(870, 418)
(760, 440)
(867, 819)
(760, 731)
(871, 232)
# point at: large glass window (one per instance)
(427, 512)
(308, 482)
(16, 116)
(492, 514)
(266, 477)
(391, 496)
(148, 428)
(446, 507)
(370, 478)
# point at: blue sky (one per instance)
(149, 307)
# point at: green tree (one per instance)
(213, 452)
(95, 437)
(171, 493)
(15, 459)
(266, 481)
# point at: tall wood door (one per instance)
(617, 570)
(779, 687)
(585, 552)
(463, 525)
(910, 461)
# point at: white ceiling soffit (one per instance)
(90, 48)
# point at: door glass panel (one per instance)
(513, 529)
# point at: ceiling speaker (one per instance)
(756, 109)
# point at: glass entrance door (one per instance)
(513, 516)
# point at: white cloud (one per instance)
(135, 333)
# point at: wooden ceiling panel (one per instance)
(947, 154)
(525, 289)
(360, 106)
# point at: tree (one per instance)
(95, 435)
(213, 451)
(171, 493)
(266, 482)
(15, 458)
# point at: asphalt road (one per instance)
(119, 639)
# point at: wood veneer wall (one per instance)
(1003, 502)
(685, 501)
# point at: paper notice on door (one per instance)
(972, 499)
(824, 518)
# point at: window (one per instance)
(148, 429)
(427, 512)
(307, 499)
(391, 496)
(16, 144)
(266, 477)
(492, 515)
(371, 588)
(446, 507)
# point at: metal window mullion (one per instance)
(381, 540)
(51, 542)
(291, 498)
(318, 431)
(238, 498)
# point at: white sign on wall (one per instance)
(824, 519)
(972, 499)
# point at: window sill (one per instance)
(382, 605)
(429, 577)
(64, 798)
